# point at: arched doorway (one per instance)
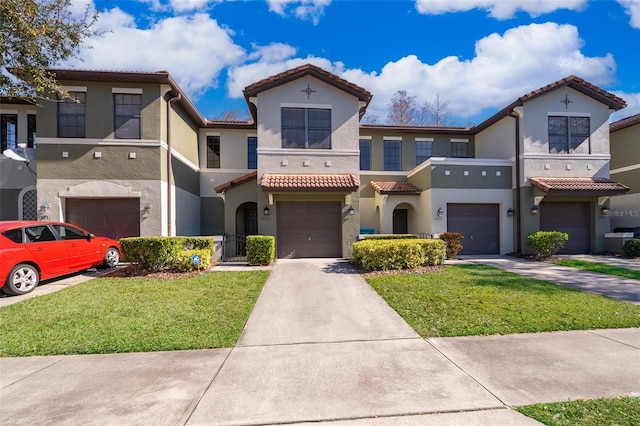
(247, 219)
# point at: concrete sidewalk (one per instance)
(321, 346)
(615, 287)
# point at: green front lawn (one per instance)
(599, 267)
(623, 411)
(109, 315)
(478, 300)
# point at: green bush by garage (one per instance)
(391, 254)
(161, 253)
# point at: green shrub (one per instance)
(631, 248)
(390, 237)
(547, 243)
(261, 250)
(158, 253)
(434, 250)
(383, 255)
(185, 260)
(453, 241)
(154, 253)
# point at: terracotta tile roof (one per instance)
(309, 182)
(301, 71)
(237, 181)
(591, 186)
(624, 123)
(405, 188)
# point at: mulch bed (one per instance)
(134, 271)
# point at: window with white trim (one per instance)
(9, 131)
(392, 155)
(567, 133)
(213, 152)
(306, 128)
(365, 154)
(126, 115)
(71, 115)
(424, 151)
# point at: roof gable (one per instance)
(624, 123)
(576, 83)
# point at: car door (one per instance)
(47, 250)
(83, 252)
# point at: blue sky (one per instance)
(478, 54)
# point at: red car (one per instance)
(31, 251)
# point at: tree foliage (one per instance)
(36, 35)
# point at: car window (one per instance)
(14, 235)
(37, 234)
(70, 233)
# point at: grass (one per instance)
(599, 267)
(623, 411)
(480, 300)
(110, 315)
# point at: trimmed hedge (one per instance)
(261, 250)
(390, 237)
(547, 243)
(158, 253)
(184, 260)
(408, 253)
(631, 248)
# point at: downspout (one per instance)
(169, 168)
(518, 209)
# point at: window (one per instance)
(365, 154)
(566, 134)
(213, 152)
(424, 151)
(252, 150)
(14, 235)
(393, 155)
(460, 149)
(71, 115)
(306, 128)
(126, 115)
(69, 233)
(31, 130)
(9, 127)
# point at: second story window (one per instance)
(306, 128)
(9, 131)
(424, 151)
(126, 115)
(460, 149)
(392, 155)
(252, 151)
(365, 154)
(71, 115)
(213, 152)
(566, 134)
(31, 130)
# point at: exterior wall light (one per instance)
(266, 211)
(604, 210)
(535, 209)
(510, 211)
(440, 212)
(352, 210)
(148, 207)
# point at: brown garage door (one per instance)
(479, 224)
(309, 229)
(572, 218)
(109, 217)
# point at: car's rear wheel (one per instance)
(111, 257)
(22, 279)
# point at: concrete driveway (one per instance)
(321, 347)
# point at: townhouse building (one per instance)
(131, 155)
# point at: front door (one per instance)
(400, 221)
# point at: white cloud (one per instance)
(195, 60)
(633, 105)
(632, 8)
(302, 9)
(499, 9)
(504, 68)
(272, 53)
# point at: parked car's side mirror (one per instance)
(90, 237)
